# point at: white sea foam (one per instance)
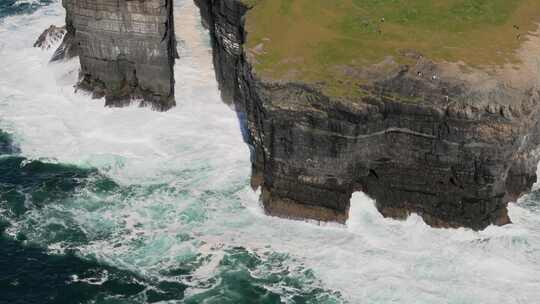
(19, 2)
(196, 155)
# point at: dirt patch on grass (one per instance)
(346, 43)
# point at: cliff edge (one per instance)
(429, 110)
(126, 48)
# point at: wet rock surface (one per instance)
(126, 48)
(50, 37)
(421, 138)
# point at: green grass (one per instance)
(308, 40)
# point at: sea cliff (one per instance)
(425, 137)
(453, 139)
(126, 48)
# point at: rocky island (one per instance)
(126, 48)
(428, 107)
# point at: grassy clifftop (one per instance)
(308, 40)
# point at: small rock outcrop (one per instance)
(127, 49)
(423, 137)
(50, 37)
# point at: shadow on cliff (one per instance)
(30, 275)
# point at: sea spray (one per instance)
(146, 207)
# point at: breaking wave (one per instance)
(135, 206)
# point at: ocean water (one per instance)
(13, 7)
(106, 205)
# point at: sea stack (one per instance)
(126, 48)
(436, 113)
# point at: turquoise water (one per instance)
(13, 7)
(63, 206)
(101, 205)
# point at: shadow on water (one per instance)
(27, 184)
(6, 144)
(29, 275)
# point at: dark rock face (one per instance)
(127, 49)
(50, 37)
(435, 146)
(224, 20)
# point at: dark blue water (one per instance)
(30, 274)
(131, 206)
(13, 7)
(42, 243)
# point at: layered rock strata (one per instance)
(425, 138)
(127, 49)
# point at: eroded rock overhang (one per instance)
(453, 147)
